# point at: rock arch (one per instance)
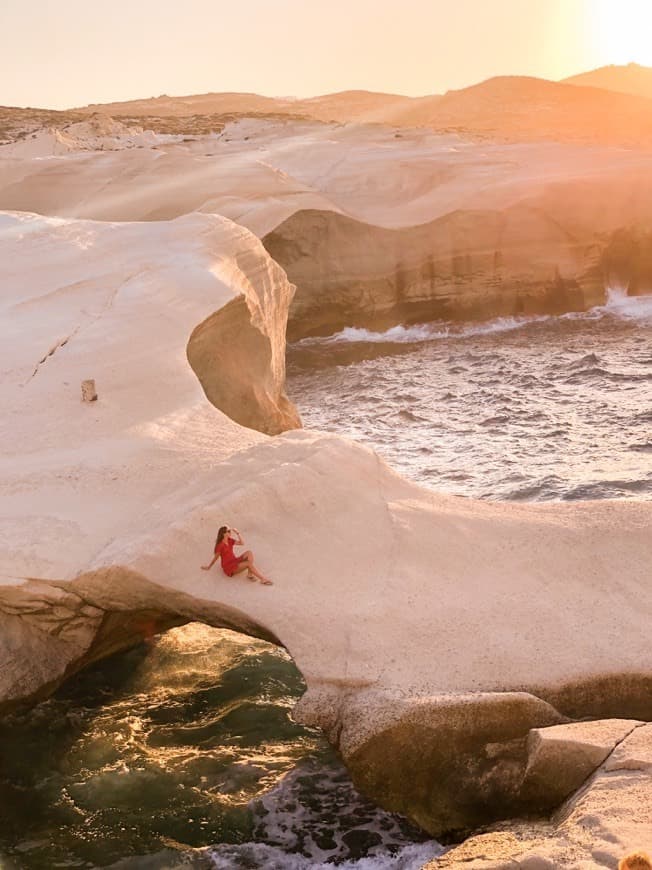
(412, 616)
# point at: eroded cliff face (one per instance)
(549, 248)
(454, 762)
(627, 260)
(120, 303)
(51, 629)
(238, 353)
(467, 265)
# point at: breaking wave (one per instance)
(618, 305)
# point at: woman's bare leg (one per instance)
(253, 573)
(248, 556)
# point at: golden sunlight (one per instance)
(622, 30)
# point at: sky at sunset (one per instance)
(72, 52)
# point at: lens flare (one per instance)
(622, 30)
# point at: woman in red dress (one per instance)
(231, 564)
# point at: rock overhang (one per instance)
(130, 489)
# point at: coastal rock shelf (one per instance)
(594, 828)
(434, 633)
(374, 227)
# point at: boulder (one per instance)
(562, 757)
(609, 817)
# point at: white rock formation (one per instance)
(608, 818)
(259, 173)
(99, 133)
(433, 632)
(372, 229)
(562, 757)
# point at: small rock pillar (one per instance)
(89, 393)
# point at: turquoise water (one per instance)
(184, 753)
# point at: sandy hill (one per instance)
(195, 104)
(525, 108)
(629, 79)
(505, 108)
(613, 106)
(362, 106)
(508, 108)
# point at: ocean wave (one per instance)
(618, 305)
(565, 402)
(394, 335)
(422, 332)
(264, 857)
(299, 824)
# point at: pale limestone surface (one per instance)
(373, 226)
(99, 133)
(437, 629)
(259, 173)
(119, 302)
(608, 818)
(561, 757)
(434, 633)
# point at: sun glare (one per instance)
(622, 30)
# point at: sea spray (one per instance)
(618, 305)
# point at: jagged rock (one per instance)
(610, 816)
(634, 754)
(561, 758)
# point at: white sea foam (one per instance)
(618, 304)
(265, 857)
(397, 334)
(424, 331)
(314, 818)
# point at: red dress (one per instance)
(229, 559)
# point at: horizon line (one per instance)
(293, 98)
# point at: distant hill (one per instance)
(504, 108)
(357, 106)
(518, 108)
(630, 79)
(18, 122)
(196, 104)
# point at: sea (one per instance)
(183, 752)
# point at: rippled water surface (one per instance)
(546, 408)
(183, 753)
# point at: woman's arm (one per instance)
(240, 539)
(210, 565)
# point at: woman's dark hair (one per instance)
(223, 530)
